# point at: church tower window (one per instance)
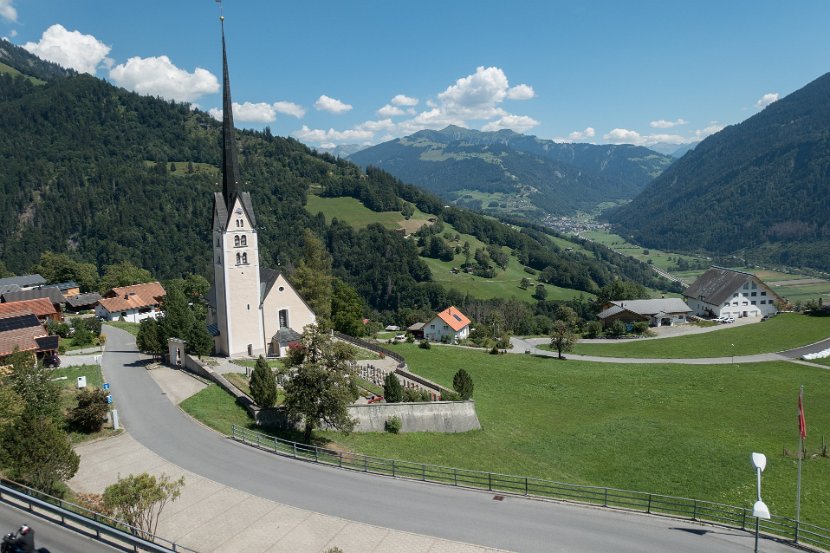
(245, 258)
(243, 240)
(236, 241)
(238, 259)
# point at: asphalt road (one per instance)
(53, 537)
(516, 524)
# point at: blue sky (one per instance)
(342, 72)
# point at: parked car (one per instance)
(728, 320)
(400, 337)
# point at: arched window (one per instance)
(239, 222)
(244, 241)
(244, 258)
(236, 241)
(238, 259)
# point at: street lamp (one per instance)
(733, 362)
(760, 509)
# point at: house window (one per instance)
(754, 286)
(763, 302)
(245, 259)
(763, 293)
(432, 327)
(283, 316)
(744, 303)
(243, 240)
(753, 303)
(236, 241)
(238, 258)
(239, 223)
(753, 294)
(734, 303)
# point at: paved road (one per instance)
(474, 517)
(53, 537)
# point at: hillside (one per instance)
(106, 175)
(759, 190)
(507, 172)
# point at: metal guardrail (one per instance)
(100, 527)
(799, 533)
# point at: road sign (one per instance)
(109, 398)
(106, 386)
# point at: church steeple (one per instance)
(230, 167)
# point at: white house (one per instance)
(721, 292)
(131, 303)
(449, 325)
(656, 312)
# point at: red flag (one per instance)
(802, 424)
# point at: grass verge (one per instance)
(132, 328)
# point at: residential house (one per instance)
(69, 288)
(721, 292)
(131, 303)
(51, 292)
(24, 282)
(42, 308)
(450, 325)
(417, 330)
(655, 312)
(82, 302)
(23, 332)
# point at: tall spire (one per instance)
(230, 168)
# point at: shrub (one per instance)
(495, 349)
(393, 424)
(392, 390)
(263, 384)
(449, 395)
(462, 383)
(411, 394)
(424, 344)
(640, 327)
(89, 415)
(593, 329)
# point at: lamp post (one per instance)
(733, 359)
(760, 509)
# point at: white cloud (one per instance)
(766, 100)
(521, 92)
(390, 111)
(8, 11)
(401, 100)
(712, 128)
(518, 123)
(332, 105)
(579, 136)
(626, 136)
(476, 96)
(158, 76)
(664, 124)
(289, 108)
(332, 136)
(83, 53)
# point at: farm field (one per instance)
(672, 429)
(352, 211)
(786, 331)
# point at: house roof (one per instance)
(68, 285)
(454, 318)
(649, 308)
(40, 307)
(24, 280)
(20, 332)
(9, 288)
(717, 284)
(285, 336)
(50, 292)
(82, 300)
(416, 327)
(136, 296)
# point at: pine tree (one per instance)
(462, 383)
(392, 390)
(263, 384)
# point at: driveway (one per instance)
(473, 517)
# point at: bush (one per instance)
(393, 424)
(263, 384)
(89, 415)
(593, 329)
(449, 395)
(495, 349)
(392, 390)
(424, 344)
(640, 327)
(462, 383)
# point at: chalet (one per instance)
(131, 303)
(51, 292)
(656, 312)
(24, 282)
(25, 333)
(721, 292)
(449, 325)
(69, 288)
(42, 308)
(82, 302)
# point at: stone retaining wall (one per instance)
(432, 416)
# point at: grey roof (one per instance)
(50, 292)
(221, 205)
(267, 279)
(650, 308)
(66, 285)
(717, 284)
(415, 327)
(8, 288)
(24, 280)
(285, 336)
(82, 300)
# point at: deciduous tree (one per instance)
(312, 279)
(89, 415)
(123, 274)
(138, 500)
(563, 337)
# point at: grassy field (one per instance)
(786, 331)
(12, 71)
(132, 328)
(672, 429)
(659, 258)
(182, 167)
(69, 393)
(352, 211)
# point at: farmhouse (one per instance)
(41, 308)
(657, 312)
(450, 325)
(51, 292)
(131, 303)
(721, 292)
(24, 282)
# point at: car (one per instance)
(719, 320)
(400, 337)
(728, 320)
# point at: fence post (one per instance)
(743, 519)
(295, 450)
(605, 500)
(526, 490)
(365, 464)
(423, 472)
(257, 440)
(275, 445)
(316, 454)
(341, 460)
(694, 512)
(490, 481)
(649, 504)
(393, 468)
(455, 476)
(797, 524)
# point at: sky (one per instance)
(334, 72)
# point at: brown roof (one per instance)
(453, 317)
(718, 283)
(20, 332)
(132, 297)
(41, 307)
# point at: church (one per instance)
(253, 310)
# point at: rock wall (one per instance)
(433, 416)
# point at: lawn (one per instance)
(132, 328)
(69, 393)
(786, 331)
(352, 211)
(672, 429)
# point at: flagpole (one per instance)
(802, 431)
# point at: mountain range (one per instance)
(758, 190)
(505, 172)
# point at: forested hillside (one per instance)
(759, 190)
(106, 175)
(517, 173)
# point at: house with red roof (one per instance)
(131, 303)
(24, 333)
(42, 308)
(450, 325)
